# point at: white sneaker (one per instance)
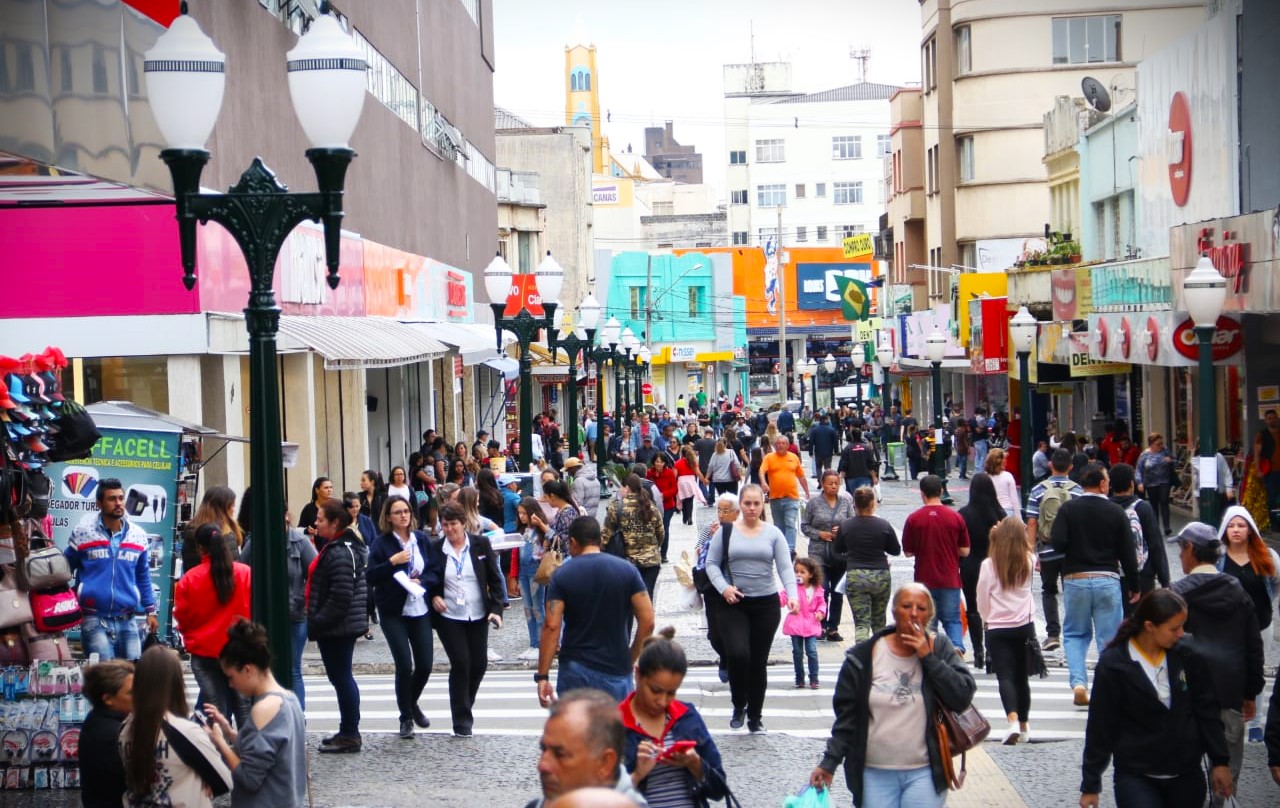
(1011, 734)
(528, 655)
(1024, 736)
(494, 656)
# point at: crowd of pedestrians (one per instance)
(415, 555)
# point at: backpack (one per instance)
(1054, 496)
(1135, 526)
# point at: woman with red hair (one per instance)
(1250, 560)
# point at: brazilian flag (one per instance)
(855, 301)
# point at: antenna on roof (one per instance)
(862, 56)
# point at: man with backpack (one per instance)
(1094, 537)
(1148, 541)
(1042, 508)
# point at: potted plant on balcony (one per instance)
(1073, 249)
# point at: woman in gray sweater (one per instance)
(749, 620)
(268, 756)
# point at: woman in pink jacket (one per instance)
(804, 625)
(1008, 611)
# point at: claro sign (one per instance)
(1228, 339)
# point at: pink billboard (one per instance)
(87, 262)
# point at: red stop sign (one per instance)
(646, 388)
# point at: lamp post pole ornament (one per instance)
(1205, 292)
(528, 306)
(1022, 331)
(185, 78)
(936, 345)
(576, 344)
(602, 354)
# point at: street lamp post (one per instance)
(577, 343)
(885, 354)
(185, 76)
(642, 362)
(601, 354)
(525, 324)
(1205, 291)
(1022, 332)
(630, 345)
(810, 368)
(858, 355)
(829, 365)
(936, 346)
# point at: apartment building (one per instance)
(990, 70)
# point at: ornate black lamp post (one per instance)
(630, 346)
(576, 344)
(809, 368)
(606, 351)
(528, 307)
(185, 76)
(641, 363)
(1023, 329)
(858, 355)
(1205, 292)
(885, 356)
(829, 366)
(936, 346)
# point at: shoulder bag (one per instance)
(702, 581)
(551, 561)
(958, 732)
(616, 545)
(15, 606)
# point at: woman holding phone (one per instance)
(673, 761)
(888, 690)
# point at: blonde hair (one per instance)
(1009, 554)
(995, 462)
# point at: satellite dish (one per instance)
(1096, 94)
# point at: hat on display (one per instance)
(17, 390)
(1199, 534)
(572, 463)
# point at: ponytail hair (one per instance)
(1156, 607)
(217, 547)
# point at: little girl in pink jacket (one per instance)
(805, 626)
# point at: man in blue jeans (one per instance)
(108, 555)
(1094, 536)
(594, 596)
(936, 537)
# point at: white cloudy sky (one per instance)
(661, 59)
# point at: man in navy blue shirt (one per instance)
(823, 441)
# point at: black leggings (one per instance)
(746, 630)
(466, 643)
(1008, 650)
(726, 487)
(686, 510)
(1158, 496)
(969, 569)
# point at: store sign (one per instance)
(683, 353)
(1162, 338)
(1228, 339)
(1179, 149)
(1242, 248)
(1072, 294)
(524, 295)
(989, 336)
(817, 288)
(456, 295)
(604, 195)
(1084, 366)
(857, 244)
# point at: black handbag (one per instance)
(1035, 659)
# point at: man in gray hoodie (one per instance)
(1222, 626)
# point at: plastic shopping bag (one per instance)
(809, 797)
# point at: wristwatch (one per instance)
(541, 677)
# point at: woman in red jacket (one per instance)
(664, 477)
(689, 481)
(207, 601)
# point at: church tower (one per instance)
(582, 97)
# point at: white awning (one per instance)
(346, 343)
(474, 342)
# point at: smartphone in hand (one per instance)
(677, 748)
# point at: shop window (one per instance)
(141, 380)
(696, 296)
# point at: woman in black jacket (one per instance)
(468, 596)
(898, 678)
(109, 688)
(1154, 711)
(337, 615)
(406, 618)
(980, 514)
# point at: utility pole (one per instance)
(648, 309)
(783, 387)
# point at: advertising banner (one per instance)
(817, 287)
(147, 464)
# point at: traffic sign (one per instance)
(646, 388)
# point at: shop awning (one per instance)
(346, 343)
(508, 367)
(474, 342)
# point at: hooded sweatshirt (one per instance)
(1224, 630)
(1270, 586)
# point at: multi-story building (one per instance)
(669, 157)
(360, 382)
(989, 71)
(817, 156)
